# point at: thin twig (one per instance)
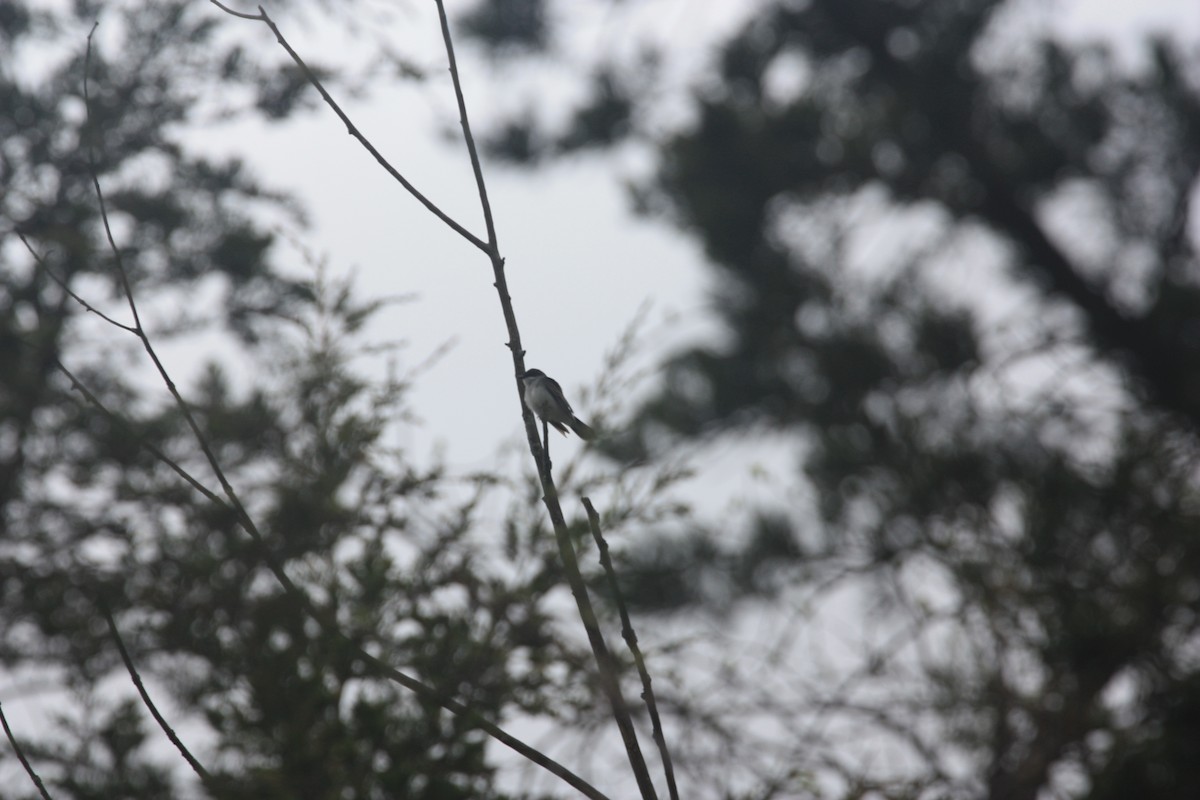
(199, 769)
(605, 663)
(153, 449)
(353, 130)
(493, 251)
(327, 623)
(631, 640)
(37, 781)
(62, 284)
(91, 151)
(466, 126)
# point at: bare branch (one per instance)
(91, 150)
(37, 781)
(353, 130)
(606, 666)
(88, 395)
(256, 17)
(321, 616)
(199, 769)
(631, 640)
(466, 126)
(605, 663)
(62, 284)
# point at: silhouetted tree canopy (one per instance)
(954, 259)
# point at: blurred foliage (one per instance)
(403, 555)
(955, 262)
(505, 26)
(954, 259)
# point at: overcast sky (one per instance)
(580, 265)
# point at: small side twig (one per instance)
(472, 151)
(62, 284)
(33, 776)
(93, 400)
(196, 766)
(630, 636)
(352, 129)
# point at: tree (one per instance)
(119, 541)
(955, 258)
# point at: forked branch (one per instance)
(328, 623)
(606, 665)
(352, 129)
(631, 642)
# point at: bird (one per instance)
(545, 398)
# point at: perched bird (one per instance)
(545, 398)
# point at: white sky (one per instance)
(579, 263)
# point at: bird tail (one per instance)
(581, 429)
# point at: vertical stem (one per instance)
(631, 641)
(606, 664)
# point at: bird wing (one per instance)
(557, 391)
